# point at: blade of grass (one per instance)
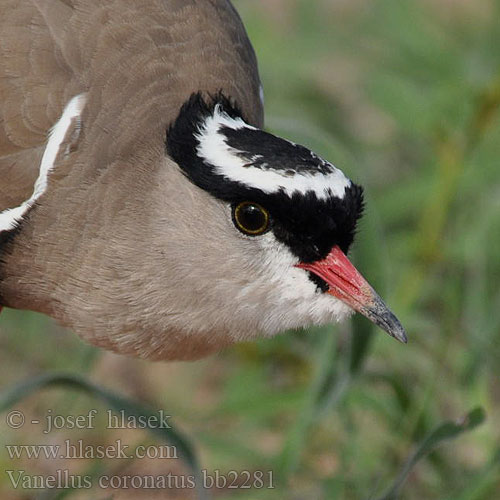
(117, 402)
(444, 432)
(292, 451)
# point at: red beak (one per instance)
(346, 283)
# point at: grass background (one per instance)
(404, 96)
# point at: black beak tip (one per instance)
(383, 317)
(393, 327)
(400, 335)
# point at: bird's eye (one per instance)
(250, 218)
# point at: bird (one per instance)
(142, 202)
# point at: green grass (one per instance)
(403, 95)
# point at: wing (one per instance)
(32, 81)
(138, 60)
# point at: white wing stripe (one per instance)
(11, 217)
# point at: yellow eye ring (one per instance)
(250, 218)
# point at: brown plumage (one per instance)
(150, 54)
(108, 248)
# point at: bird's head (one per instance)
(285, 221)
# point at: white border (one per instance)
(229, 163)
(11, 217)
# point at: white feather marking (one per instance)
(212, 145)
(11, 217)
(261, 94)
(231, 164)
